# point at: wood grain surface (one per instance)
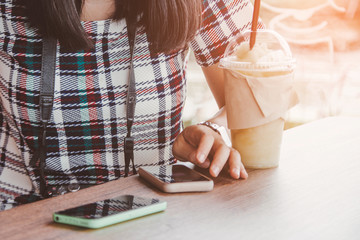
(313, 194)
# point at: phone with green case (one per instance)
(110, 211)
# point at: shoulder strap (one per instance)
(47, 79)
(131, 94)
(131, 98)
(46, 103)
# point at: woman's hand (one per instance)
(205, 148)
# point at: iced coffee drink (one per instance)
(258, 93)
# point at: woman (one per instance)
(85, 135)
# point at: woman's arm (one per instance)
(222, 20)
(203, 146)
(215, 79)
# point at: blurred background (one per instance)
(324, 36)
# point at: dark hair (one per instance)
(169, 24)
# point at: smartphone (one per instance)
(176, 178)
(110, 211)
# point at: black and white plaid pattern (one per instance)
(85, 136)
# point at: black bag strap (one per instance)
(46, 104)
(131, 98)
(47, 79)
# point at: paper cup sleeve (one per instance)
(254, 101)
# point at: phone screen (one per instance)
(175, 174)
(109, 207)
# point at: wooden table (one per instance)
(313, 194)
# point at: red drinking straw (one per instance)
(254, 23)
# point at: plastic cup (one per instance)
(259, 146)
(258, 93)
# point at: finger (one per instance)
(204, 148)
(234, 164)
(243, 173)
(183, 151)
(221, 156)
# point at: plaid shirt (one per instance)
(88, 123)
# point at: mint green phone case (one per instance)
(111, 219)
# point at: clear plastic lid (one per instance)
(270, 53)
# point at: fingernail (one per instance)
(245, 173)
(201, 157)
(215, 170)
(236, 171)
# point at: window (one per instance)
(324, 36)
